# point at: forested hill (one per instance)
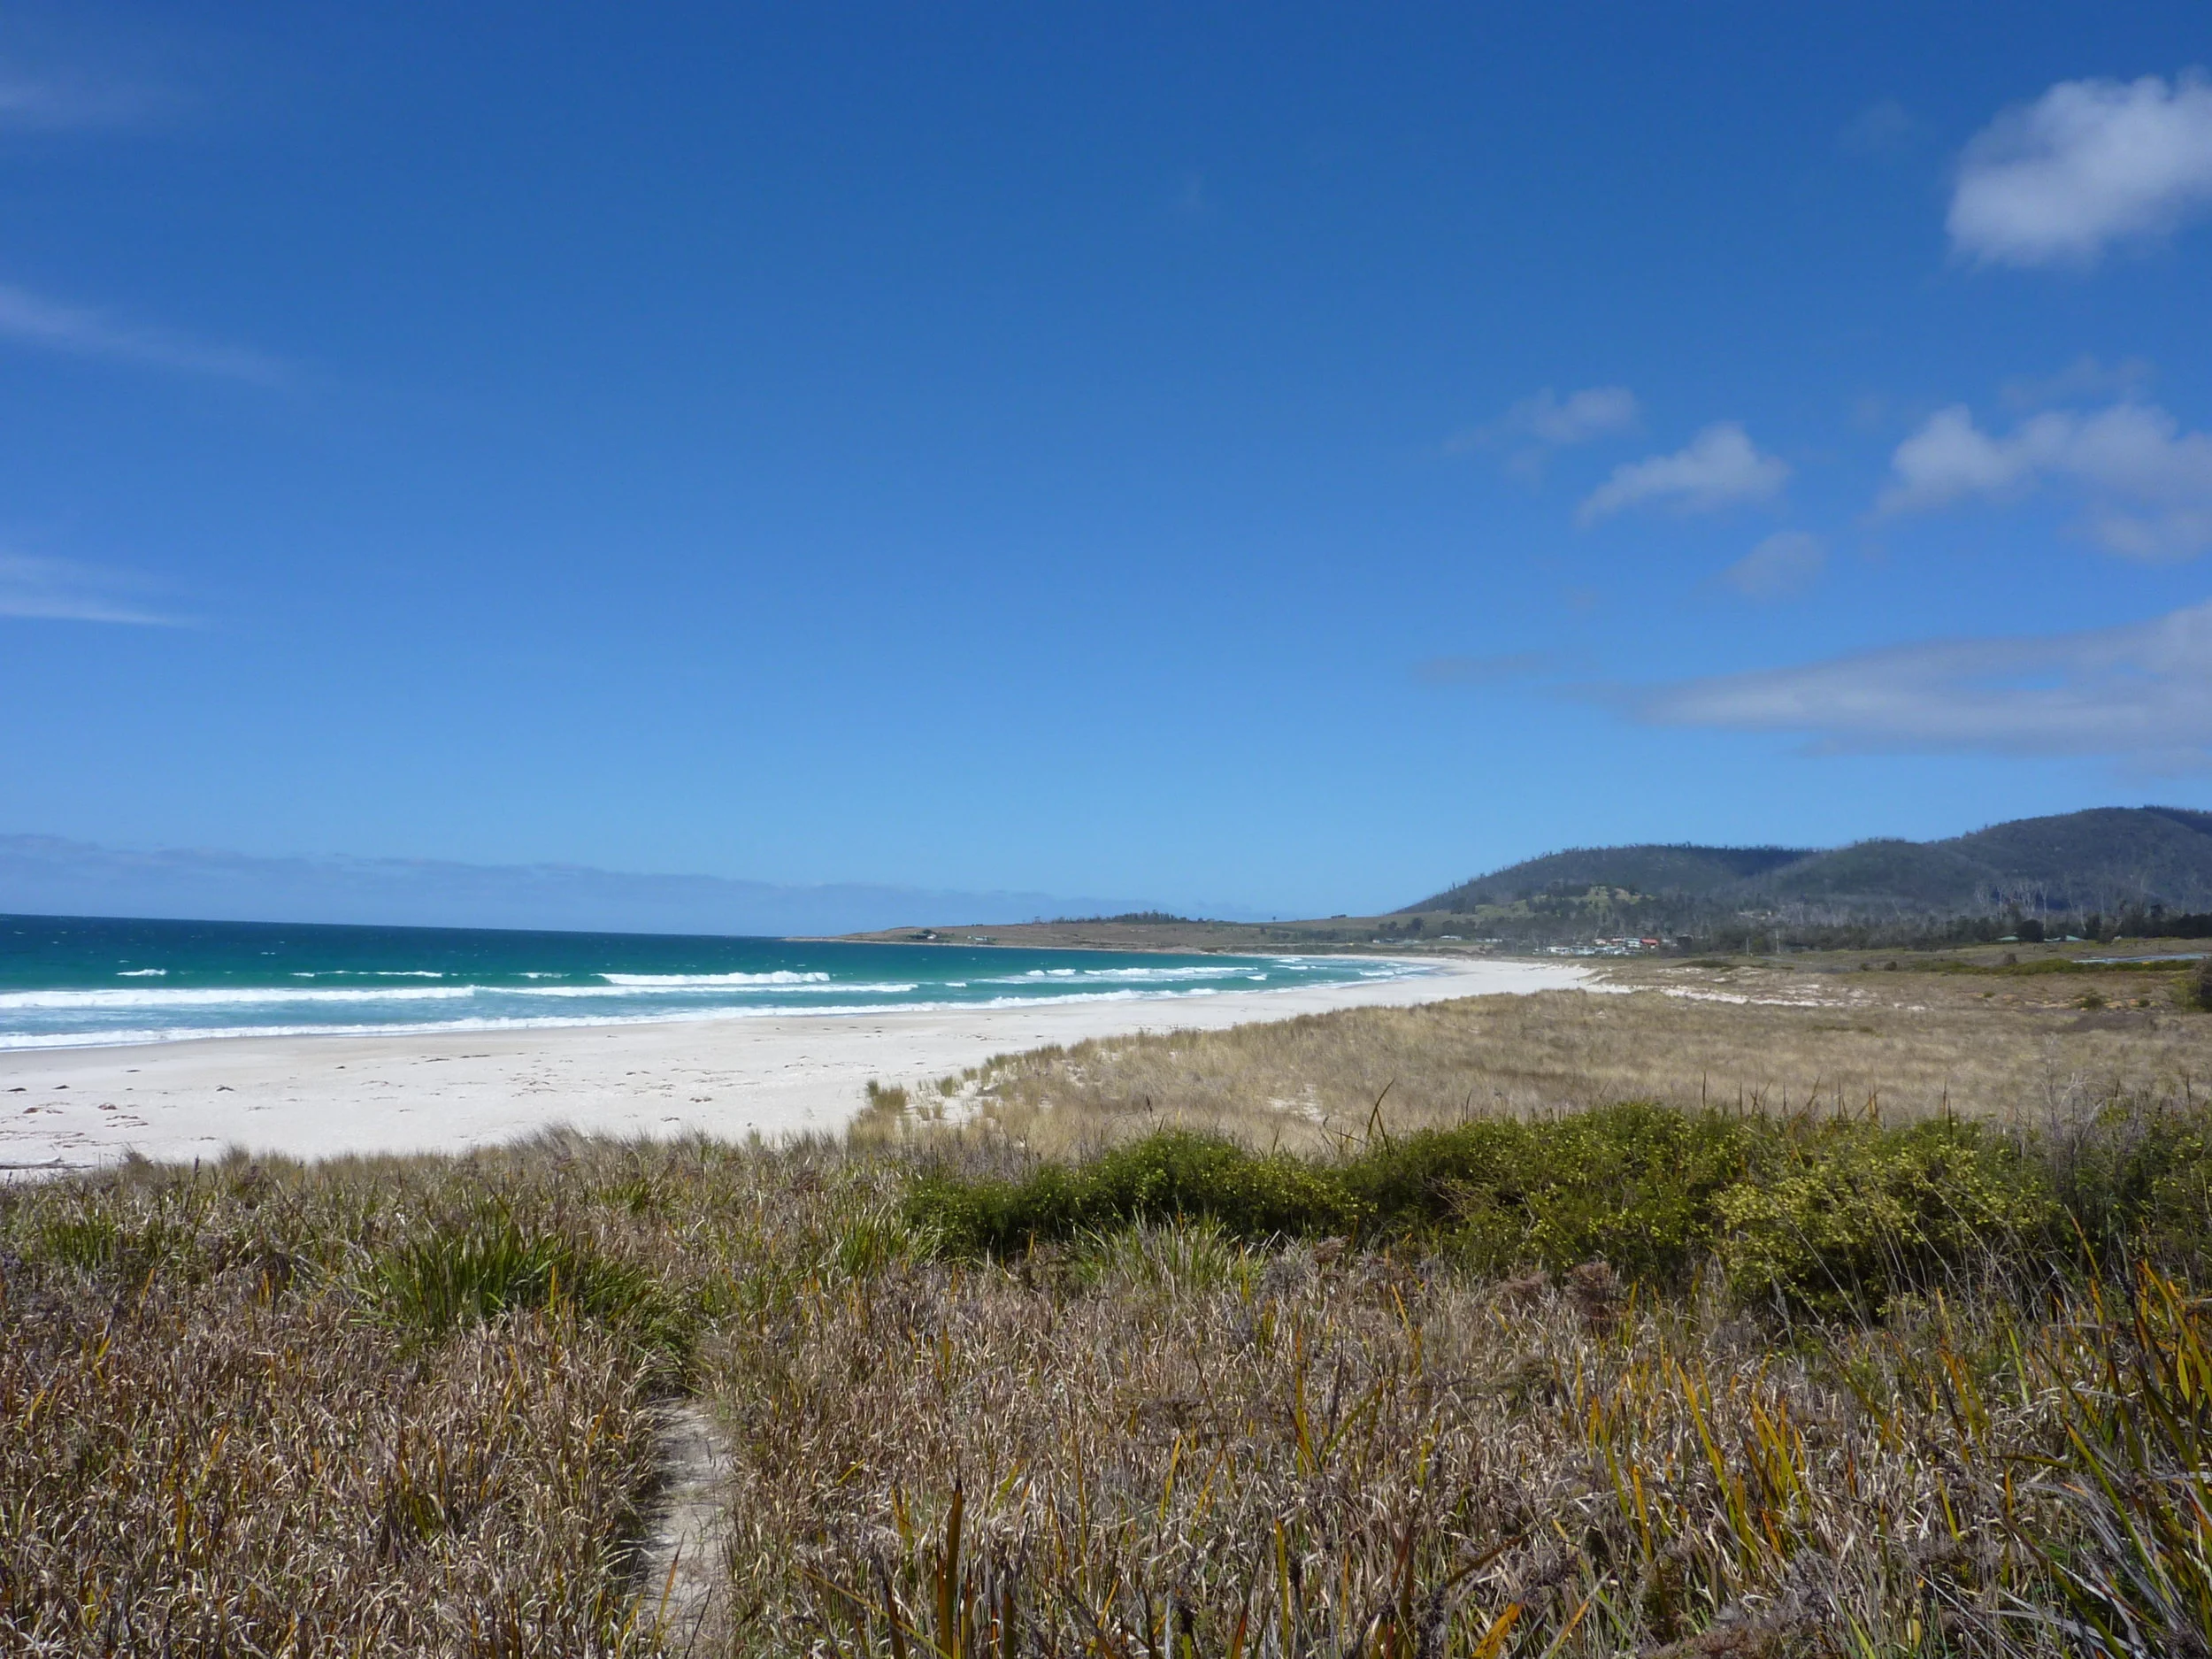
(2107, 858)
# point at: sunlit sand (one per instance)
(773, 1076)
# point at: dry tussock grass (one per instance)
(222, 1471)
(1903, 1045)
(224, 1430)
(1159, 1444)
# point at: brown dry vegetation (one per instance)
(408, 1406)
(242, 1413)
(1159, 1444)
(1902, 1044)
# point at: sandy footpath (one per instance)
(776, 1075)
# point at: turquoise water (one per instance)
(70, 981)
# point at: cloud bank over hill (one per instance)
(2141, 693)
(46, 875)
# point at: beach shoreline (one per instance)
(329, 1095)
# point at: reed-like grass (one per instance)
(370, 1407)
(1503, 1388)
(1163, 1442)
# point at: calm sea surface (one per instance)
(67, 981)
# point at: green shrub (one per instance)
(94, 1242)
(1188, 1257)
(1632, 1185)
(89, 1243)
(470, 1272)
(2197, 987)
(868, 1241)
(1854, 1214)
(2139, 1183)
(1170, 1176)
(1824, 1217)
(2012, 967)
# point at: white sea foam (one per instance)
(140, 1035)
(366, 973)
(673, 981)
(173, 1013)
(796, 987)
(218, 996)
(1130, 976)
(258, 997)
(141, 974)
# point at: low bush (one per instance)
(1845, 1220)
(1820, 1216)
(1165, 1177)
(2012, 967)
(1634, 1184)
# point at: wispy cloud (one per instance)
(38, 100)
(1781, 567)
(63, 590)
(2089, 164)
(2148, 483)
(80, 331)
(1721, 466)
(1547, 421)
(2141, 693)
(1884, 131)
(1479, 670)
(2087, 378)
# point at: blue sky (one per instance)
(1286, 458)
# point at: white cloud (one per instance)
(1950, 457)
(2088, 164)
(2148, 483)
(1720, 466)
(63, 590)
(1780, 567)
(1547, 421)
(1576, 419)
(2141, 692)
(75, 329)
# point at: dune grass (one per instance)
(1831, 1387)
(385, 1406)
(1633, 1378)
(1758, 1039)
(1159, 1441)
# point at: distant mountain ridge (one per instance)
(2102, 859)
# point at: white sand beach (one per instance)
(322, 1096)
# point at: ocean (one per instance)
(75, 982)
